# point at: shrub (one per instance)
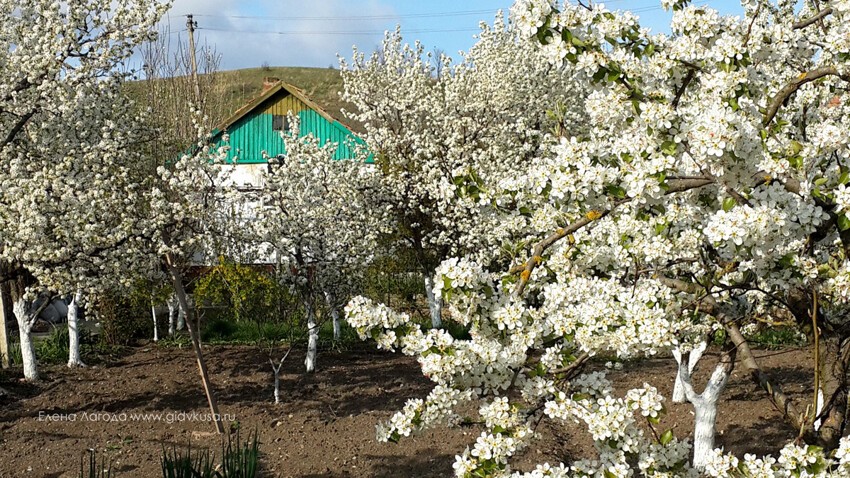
(120, 321)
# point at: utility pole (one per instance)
(191, 24)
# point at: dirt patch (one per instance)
(325, 426)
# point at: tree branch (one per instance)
(795, 84)
(19, 125)
(813, 19)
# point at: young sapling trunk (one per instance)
(276, 368)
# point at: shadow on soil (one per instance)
(424, 465)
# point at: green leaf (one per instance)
(733, 102)
(616, 191)
(728, 204)
(843, 223)
(845, 177)
(667, 437)
(796, 161)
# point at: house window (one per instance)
(280, 123)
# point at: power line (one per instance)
(355, 17)
(341, 32)
(643, 9)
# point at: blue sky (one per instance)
(310, 33)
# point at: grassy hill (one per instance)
(323, 85)
(238, 87)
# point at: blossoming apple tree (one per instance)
(66, 137)
(699, 182)
(316, 216)
(441, 143)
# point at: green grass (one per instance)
(91, 468)
(225, 331)
(239, 460)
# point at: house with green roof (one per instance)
(254, 131)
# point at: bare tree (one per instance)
(168, 93)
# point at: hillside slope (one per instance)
(238, 87)
(323, 85)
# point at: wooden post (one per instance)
(177, 282)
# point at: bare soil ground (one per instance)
(325, 426)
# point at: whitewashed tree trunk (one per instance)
(74, 359)
(705, 406)
(276, 368)
(312, 340)
(155, 328)
(434, 305)
(25, 322)
(693, 358)
(329, 299)
(336, 323)
(172, 314)
(181, 318)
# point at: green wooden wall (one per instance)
(253, 133)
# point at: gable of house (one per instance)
(256, 128)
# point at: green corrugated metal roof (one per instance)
(250, 128)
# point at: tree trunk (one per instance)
(834, 365)
(313, 339)
(705, 421)
(329, 298)
(153, 314)
(705, 404)
(172, 314)
(276, 368)
(693, 358)
(74, 359)
(4, 330)
(181, 316)
(435, 305)
(25, 323)
(180, 292)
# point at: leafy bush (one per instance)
(246, 292)
(120, 320)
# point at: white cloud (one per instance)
(222, 24)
